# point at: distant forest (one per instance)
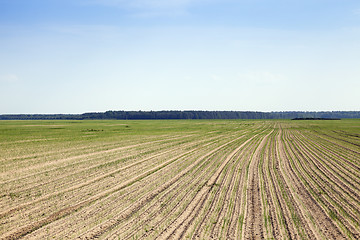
(136, 115)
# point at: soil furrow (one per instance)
(152, 212)
(254, 223)
(221, 179)
(128, 212)
(344, 210)
(66, 211)
(328, 228)
(178, 229)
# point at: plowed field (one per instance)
(196, 179)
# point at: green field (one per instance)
(180, 179)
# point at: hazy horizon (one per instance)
(169, 110)
(60, 57)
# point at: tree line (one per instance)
(137, 115)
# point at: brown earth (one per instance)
(267, 181)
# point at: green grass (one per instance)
(37, 156)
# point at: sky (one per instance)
(76, 56)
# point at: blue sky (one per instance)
(62, 56)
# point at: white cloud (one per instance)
(144, 4)
(152, 8)
(159, 13)
(357, 11)
(8, 78)
(160, 3)
(262, 77)
(215, 77)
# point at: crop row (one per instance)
(251, 180)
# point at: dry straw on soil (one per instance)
(180, 180)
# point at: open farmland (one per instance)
(196, 179)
